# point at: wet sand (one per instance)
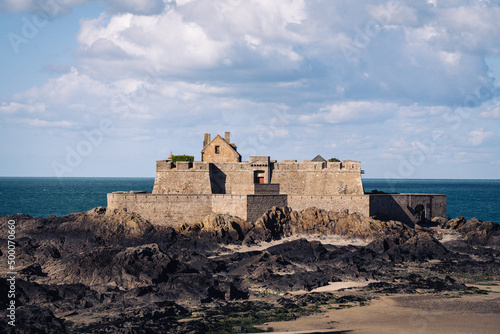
(421, 313)
(335, 240)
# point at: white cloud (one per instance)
(70, 88)
(350, 112)
(141, 7)
(240, 40)
(166, 41)
(206, 64)
(491, 111)
(450, 58)
(14, 107)
(62, 7)
(51, 7)
(40, 123)
(477, 137)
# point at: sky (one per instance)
(105, 88)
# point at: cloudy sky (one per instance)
(106, 88)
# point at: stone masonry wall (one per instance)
(237, 178)
(182, 182)
(257, 205)
(166, 210)
(340, 203)
(320, 182)
(174, 210)
(402, 207)
(235, 205)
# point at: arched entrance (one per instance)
(419, 213)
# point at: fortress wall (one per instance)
(402, 206)
(290, 181)
(238, 181)
(257, 205)
(182, 182)
(174, 210)
(320, 182)
(230, 182)
(235, 205)
(241, 188)
(166, 210)
(351, 203)
(334, 183)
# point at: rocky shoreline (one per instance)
(114, 272)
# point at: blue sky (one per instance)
(106, 88)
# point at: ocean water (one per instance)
(43, 196)
(61, 196)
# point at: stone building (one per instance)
(185, 192)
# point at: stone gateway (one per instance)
(185, 192)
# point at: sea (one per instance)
(44, 196)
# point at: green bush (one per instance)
(334, 160)
(183, 157)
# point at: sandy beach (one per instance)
(422, 313)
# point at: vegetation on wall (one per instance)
(334, 160)
(182, 157)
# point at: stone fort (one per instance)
(186, 192)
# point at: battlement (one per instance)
(304, 165)
(308, 165)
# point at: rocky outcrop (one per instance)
(96, 271)
(474, 230)
(223, 228)
(278, 223)
(420, 247)
(282, 222)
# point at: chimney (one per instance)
(206, 140)
(227, 137)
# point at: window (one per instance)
(217, 149)
(258, 176)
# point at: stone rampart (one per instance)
(182, 182)
(339, 203)
(175, 210)
(234, 205)
(166, 210)
(320, 182)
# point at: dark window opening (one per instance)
(217, 149)
(258, 176)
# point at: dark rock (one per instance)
(134, 277)
(420, 247)
(33, 270)
(33, 319)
